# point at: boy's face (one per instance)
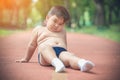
(54, 23)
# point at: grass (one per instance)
(7, 32)
(112, 33)
(4, 32)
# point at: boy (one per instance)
(52, 45)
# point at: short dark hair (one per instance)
(60, 11)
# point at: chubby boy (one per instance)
(51, 42)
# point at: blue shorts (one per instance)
(58, 50)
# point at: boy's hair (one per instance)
(60, 11)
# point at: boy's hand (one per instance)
(22, 61)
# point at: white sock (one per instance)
(85, 65)
(59, 66)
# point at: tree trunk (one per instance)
(24, 24)
(117, 15)
(1, 15)
(100, 13)
(67, 5)
(110, 16)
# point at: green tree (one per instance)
(113, 9)
(13, 8)
(77, 10)
(43, 6)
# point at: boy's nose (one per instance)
(56, 25)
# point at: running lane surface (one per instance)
(104, 53)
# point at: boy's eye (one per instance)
(55, 20)
(60, 24)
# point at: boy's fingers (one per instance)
(17, 61)
(20, 61)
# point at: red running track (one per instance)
(103, 52)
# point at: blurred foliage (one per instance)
(43, 6)
(22, 14)
(27, 13)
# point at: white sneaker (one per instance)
(85, 65)
(60, 69)
(58, 64)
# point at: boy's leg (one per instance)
(42, 61)
(69, 59)
(76, 62)
(48, 54)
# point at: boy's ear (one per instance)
(47, 17)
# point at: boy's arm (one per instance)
(31, 46)
(65, 33)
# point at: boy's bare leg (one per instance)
(48, 54)
(69, 59)
(43, 62)
(75, 62)
(50, 57)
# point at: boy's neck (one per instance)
(52, 30)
